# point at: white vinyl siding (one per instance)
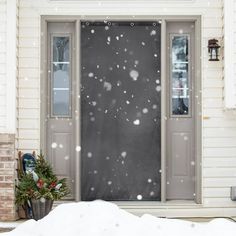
(229, 53)
(219, 127)
(3, 20)
(8, 65)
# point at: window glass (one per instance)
(61, 102)
(180, 75)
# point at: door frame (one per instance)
(197, 101)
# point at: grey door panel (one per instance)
(60, 117)
(181, 113)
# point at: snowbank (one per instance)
(99, 218)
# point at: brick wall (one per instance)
(7, 177)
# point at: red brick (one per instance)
(9, 178)
(6, 198)
(9, 165)
(6, 185)
(7, 158)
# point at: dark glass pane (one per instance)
(61, 51)
(180, 76)
(121, 111)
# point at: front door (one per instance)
(121, 110)
(120, 99)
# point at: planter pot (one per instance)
(40, 208)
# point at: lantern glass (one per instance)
(213, 48)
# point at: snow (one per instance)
(78, 148)
(54, 145)
(134, 74)
(106, 219)
(136, 122)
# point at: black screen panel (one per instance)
(120, 110)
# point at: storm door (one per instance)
(120, 110)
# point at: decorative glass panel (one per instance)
(60, 86)
(61, 51)
(180, 75)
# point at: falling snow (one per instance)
(89, 154)
(136, 122)
(78, 148)
(154, 106)
(134, 74)
(54, 145)
(145, 110)
(91, 74)
(107, 86)
(139, 197)
(124, 154)
(158, 88)
(153, 32)
(92, 119)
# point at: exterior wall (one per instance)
(7, 177)
(219, 127)
(8, 75)
(8, 68)
(3, 36)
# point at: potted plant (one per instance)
(38, 188)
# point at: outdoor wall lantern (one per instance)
(213, 49)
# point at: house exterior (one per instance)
(207, 127)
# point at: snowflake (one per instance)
(158, 88)
(89, 154)
(136, 122)
(134, 74)
(124, 154)
(153, 32)
(145, 110)
(152, 193)
(139, 197)
(107, 86)
(90, 74)
(78, 148)
(54, 145)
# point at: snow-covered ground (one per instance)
(99, 218)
